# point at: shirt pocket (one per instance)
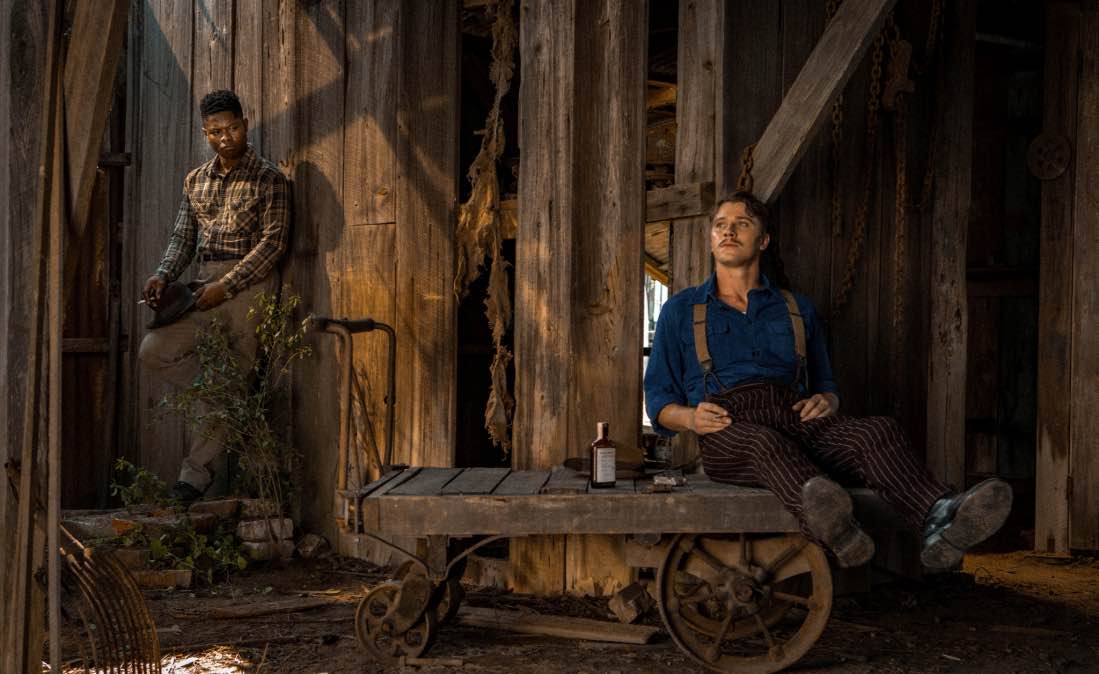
(243, 212)
(779, 337)
(207, 210)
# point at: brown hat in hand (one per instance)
(176, 299)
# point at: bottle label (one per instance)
(603, 470)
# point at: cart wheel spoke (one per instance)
(798, 600)
(742, 621)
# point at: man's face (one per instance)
(736, 238)
(227, 134)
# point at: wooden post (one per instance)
(1084, 513)
(949, 228)
(1051, 513)
(427, 195)
(579, 250)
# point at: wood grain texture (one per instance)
(91, 65)
(698, 151)
(250, 66)
(1084, 514)
(312, 269)
(427, 183)
(703, 511)
(806, 105)
(1055, 336)
(212, 68)
(371, 127)
(476, 481)
(163, 147)
(367, 261)
(682, 200)
(8, 519)
(428, 482)
(522, 482)
(544, 242)
(948, 298)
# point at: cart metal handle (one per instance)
(344, 328)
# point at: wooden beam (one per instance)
(808, 102)
(950, 223)
(91, 64)
(427, 184)
(679, 201)
(1084, 506)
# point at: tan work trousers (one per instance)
(170, 351)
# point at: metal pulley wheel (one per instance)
(749, 604)
(377, 632)
(1048, 155)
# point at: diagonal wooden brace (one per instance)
(808, 102)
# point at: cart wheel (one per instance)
(751, 604)
(378, 637)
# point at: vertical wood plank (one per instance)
(163, 146)
(249, 65)
(544, 243)
(701, 42)
(371, 131)
(1055, 336)
(368, 248)
(213, 64)
(313, 270)
(607, 272)
(278, 107)
(949, 315)
(1084, 514)
(8, 519)
(427, 184)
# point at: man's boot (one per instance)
(956, 523)
(829, 515)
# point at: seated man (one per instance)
(725, 364)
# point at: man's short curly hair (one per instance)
(221, 100)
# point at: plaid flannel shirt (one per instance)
(244, 213)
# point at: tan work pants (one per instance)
(170, 351)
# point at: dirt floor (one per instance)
(1013, 612)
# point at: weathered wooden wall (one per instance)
(335, 93)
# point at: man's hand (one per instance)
(210, 295)
(709, 418)
(152, 290)
(817, 406)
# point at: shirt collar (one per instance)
(245, 162)
(709, 288)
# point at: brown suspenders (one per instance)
(702, 349)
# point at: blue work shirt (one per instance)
(751, 346)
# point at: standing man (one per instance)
(745, 366)
(234, 217)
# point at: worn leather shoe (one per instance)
(829, 515)
(957, 523)
(184, 493)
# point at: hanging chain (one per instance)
(744, 181)
(837, 141)
(854, 251)
(900, 247)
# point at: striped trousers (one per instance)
(767, 445)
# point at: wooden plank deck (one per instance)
(458, 502)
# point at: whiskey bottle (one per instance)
(602, 457)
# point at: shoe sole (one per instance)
(829, 515)
(981, 514)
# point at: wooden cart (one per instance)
(739, 589)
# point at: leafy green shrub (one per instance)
(138, 486)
